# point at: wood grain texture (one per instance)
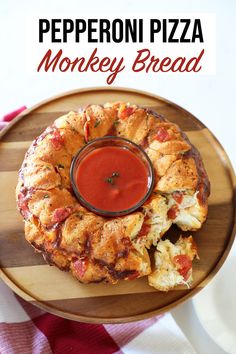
(26, 272)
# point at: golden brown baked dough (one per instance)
(92, 247)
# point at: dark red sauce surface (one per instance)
(112, 178)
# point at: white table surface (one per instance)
(210, 98)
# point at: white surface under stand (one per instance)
(210, 317)
(185, 316)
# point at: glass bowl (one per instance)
(111, 141)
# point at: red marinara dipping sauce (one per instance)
(112, 178)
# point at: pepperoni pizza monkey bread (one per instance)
(95, 248)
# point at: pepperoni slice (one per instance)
(178, 197)
(81, 266)
(132, 276)
(173, 212)
(126, 112)
(162, 135)
(57, 140)
(144, 230)
(184, 265)
(60, 214)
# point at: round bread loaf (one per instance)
(92, 247)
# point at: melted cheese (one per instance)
(156, 211)
(165, 275)
(191, 215)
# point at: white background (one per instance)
(210, 98)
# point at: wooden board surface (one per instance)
(58, 292)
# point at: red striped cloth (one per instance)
(9, 116)
(25, 329)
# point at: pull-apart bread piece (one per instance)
(95, 248)
(173, 264)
